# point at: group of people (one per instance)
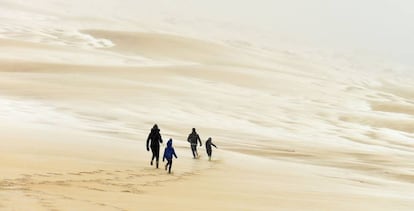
(154, 140)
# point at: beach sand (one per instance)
(80, 91)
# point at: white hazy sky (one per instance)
(382, 27)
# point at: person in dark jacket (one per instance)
(208, 147)
(193, 137)
(154, 139)
(168, 154)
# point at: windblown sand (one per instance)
(79, 94)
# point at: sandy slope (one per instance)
(295, 131)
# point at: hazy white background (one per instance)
(383, 28)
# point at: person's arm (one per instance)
(148, 139)
(160, 138)
(213, 145)
(174, 154)
(199, 140)
(188, 138)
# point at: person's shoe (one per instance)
(157, 164)
(151, 163)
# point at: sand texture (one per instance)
(82, 84)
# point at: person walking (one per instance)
(208, 144)
(154, 139)
(169, 152)
(193, 137)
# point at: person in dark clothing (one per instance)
(193, 137)
(168, 154)
(155, 138)
(208, 147)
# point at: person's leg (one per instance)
(153, 155)
(193, 149)
(157, 154)
(170, 164)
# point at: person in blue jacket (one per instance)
(168, 154)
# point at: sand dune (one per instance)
(296, 131)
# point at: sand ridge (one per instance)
(80, 90)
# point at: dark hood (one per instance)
(169, 143)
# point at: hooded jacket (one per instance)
(154, 137)
(169, 151)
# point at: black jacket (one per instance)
(193, 138)
(208, 146)
(154, 137)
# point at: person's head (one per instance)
(194, 130)
(209, 139)
(169, 142)
(155, 127)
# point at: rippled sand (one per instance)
(295, 131)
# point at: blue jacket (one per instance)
(169, 151)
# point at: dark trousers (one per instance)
(169, 164)
(194, 150)
(209, 152)
(155, 152)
